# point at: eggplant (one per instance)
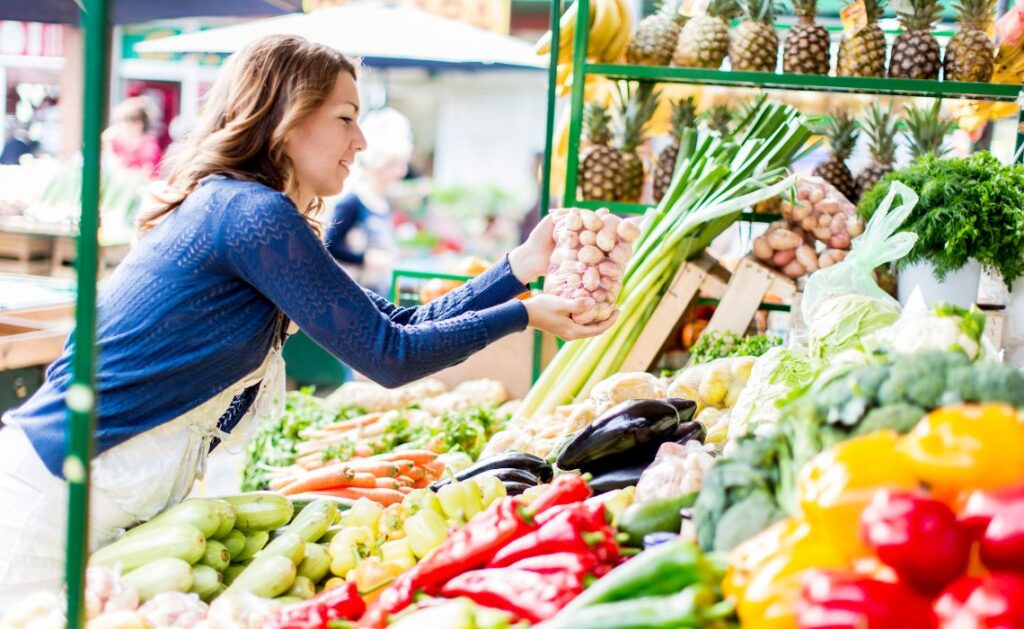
(514, 489)
(687, 408)
(689, 431)
(616, 479)
(624, 427)
(517, 460)
(503, 473)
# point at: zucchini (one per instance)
(179, 541)
(260, 511)
(228, 516)
(205, 581)
(162, 575)
(331, 532)
(301, 501)
(315, 564)
(216, 555)
(288, 545)
(314, 520)
(234, 542)
(267, 576)
(254, 543)
(232, 572)
(654, 516)
(201, 513)
(303, 588)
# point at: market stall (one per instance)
(780, 440)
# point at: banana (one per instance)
(623, 33)
(566, 31)
(602, 28)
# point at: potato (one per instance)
(606, 240)
(800, 211)
(855, 226)
(794, 269)
(816, 194)
(591, 221)
(588, 238)
(782, 258)
(822, 233)
(591, 279)
(609, 269)
(828, 205)
(839, 241)
(590, 255)
(762, 250)
(807, 257)
(573, 266)
(620, 254)
(568, 239)
(573, 222)
(628, 230)
(780, 239)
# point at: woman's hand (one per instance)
(553, 315)
(530, 259)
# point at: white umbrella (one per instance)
(382, 34)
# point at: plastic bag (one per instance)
(843, 302)
(620, 387)
(713, 384)
(677, 469)
(775, 375)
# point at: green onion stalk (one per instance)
(713, 182)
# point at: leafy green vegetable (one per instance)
(464, 431)
(715, 344)
(970, 207)
(840, 321)
(773, 378)
(273, 445)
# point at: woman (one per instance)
(190, 324)
(128, 139)
(360, 232)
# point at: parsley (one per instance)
(714, 345)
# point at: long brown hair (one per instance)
(261, 93)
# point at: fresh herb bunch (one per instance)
(464, 430)
(969, 207)
(273, 445)
(714, 345)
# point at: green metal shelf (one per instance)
(810, 82)
(764, 305)
(639, 208)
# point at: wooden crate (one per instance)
(65, 252)
(34, 337)
(741, 298)
(25, 253)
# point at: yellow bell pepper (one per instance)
(966, 447)
(836, 485)
(765, 573)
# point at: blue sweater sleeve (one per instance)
(266, 242)
(343, 219)
(494, 287)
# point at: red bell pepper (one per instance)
(1002, 540)
(918, 537)
(838, 600)
(577, 528)
(580, 565)
(339, 603)
(993, 602)
(564, 489)
(527, 595)
(981, 506)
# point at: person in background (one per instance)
(16, 145)
(360, 230)
(128, 140)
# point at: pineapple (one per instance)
(926, 129)
(684, 116)
(806, 48)
(863, 54)
(754, 46)
(842, 137)
(601, 165)
(704, 41)
(881, 131)
(915, 53)
(969, 53)
(719, 120)
(634, 113)
(656, 36)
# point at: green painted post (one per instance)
(1018, 152)
(579, 59)
(81, 397)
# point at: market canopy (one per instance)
(382, 34)
(136, 11)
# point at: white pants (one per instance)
(34, 518)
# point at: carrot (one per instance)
(363, 450)
(387, 483)
(403, 467)
(434, 469)
(385, 497)
(377, 468)
(405, 490)
(416, 473)
(421, 483)
(337, 475)
(406, 481)
(355, 422)
(419, 457)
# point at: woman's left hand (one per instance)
(530, 260)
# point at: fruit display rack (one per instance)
(728, 78)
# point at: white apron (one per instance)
(131, 482)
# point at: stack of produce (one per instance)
(383, 478)
(920, 530)
(713, 183)
(611, 24)
(517, 471)
(589, 259)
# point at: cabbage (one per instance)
(841, 321)
(775, 375)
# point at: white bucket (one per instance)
(959, 288)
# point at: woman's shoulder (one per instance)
(242, 197)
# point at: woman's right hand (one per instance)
(553, 315)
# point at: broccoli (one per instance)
(899, 417)
(987, 381)
(914, 382)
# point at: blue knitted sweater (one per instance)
(197, 303)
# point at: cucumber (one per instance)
(655, 516)
(316, 563)
(180, 541)
(303, 588)
(267, 576)
(232, 572)
(315, 518)
(228, 516)
(162, 575)
(234, 542)
(201, 513)
(260, 511)
(254, 543)
(205, 581)
(216, 556)
(304, 500)
(288, 545)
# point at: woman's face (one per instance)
(323, 146)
